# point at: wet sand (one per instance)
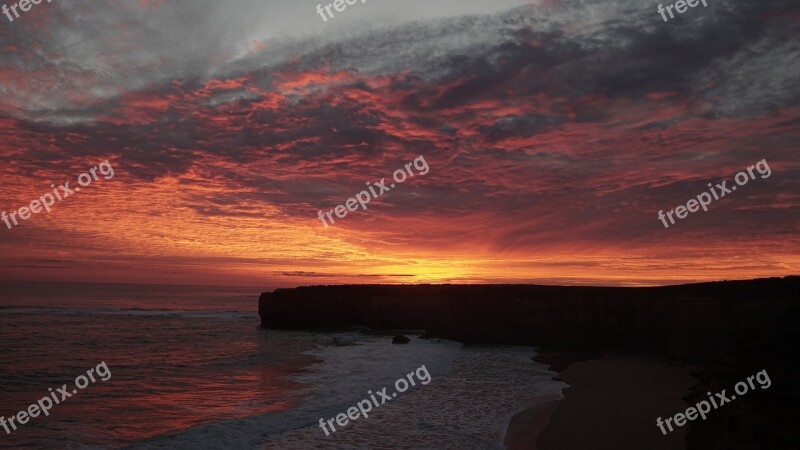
(612, 403)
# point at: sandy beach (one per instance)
(612, 403)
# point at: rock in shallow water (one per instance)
(400, 339)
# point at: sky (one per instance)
(554, 132)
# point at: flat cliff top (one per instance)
(763, 289)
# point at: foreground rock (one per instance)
(400, 339)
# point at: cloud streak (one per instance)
(554, 133)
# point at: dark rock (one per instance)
(400, 339)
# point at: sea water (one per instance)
(191, 368)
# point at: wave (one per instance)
(473, 393)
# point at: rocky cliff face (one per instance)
(731, 329)
(694, 321)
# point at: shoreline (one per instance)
(526, 426)
(611, 401)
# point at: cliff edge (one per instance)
(694, 321)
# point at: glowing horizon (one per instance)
(552, 139)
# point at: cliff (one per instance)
(731, 329)
(694, 321)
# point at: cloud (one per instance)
(556, 126)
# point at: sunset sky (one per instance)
(554, 131)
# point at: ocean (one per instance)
(191, 368)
